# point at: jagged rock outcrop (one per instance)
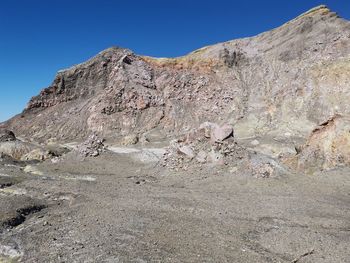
(287, 80)
(16, 149)
(7, 136)
(327, 147)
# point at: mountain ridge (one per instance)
(252, 83)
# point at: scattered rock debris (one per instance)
(92, 147)
(210, 143)
(214, 145)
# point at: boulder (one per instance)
(221, 133)
(215, 132)
(187, 151)
(207, 127)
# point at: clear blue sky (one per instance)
(39, 37)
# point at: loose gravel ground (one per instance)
(114, 208)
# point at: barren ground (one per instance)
(114, 208)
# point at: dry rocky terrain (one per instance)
(236, 152)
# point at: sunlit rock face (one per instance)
(282, 82)
(327, 147)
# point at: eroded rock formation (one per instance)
(284, 81)
(327, 147)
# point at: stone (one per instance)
(207, 128)
(130, 139)
(187, 151)
(219, 134)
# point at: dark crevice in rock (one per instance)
(4, 185)
(7, 136)
(22, 215)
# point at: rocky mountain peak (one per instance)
(280, 81)
(102, 57)
(318, 10)
(319, 13)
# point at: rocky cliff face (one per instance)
(283, 82)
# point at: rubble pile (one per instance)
(214, 145)
(92, 147)
(209, 144)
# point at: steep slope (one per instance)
(282, 82)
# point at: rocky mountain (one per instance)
(284, 82)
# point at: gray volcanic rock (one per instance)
(16, 149)
(93, 146)
(250, 118)
(285, 81)
(7, 136)
(210, 144)
(201, 149)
